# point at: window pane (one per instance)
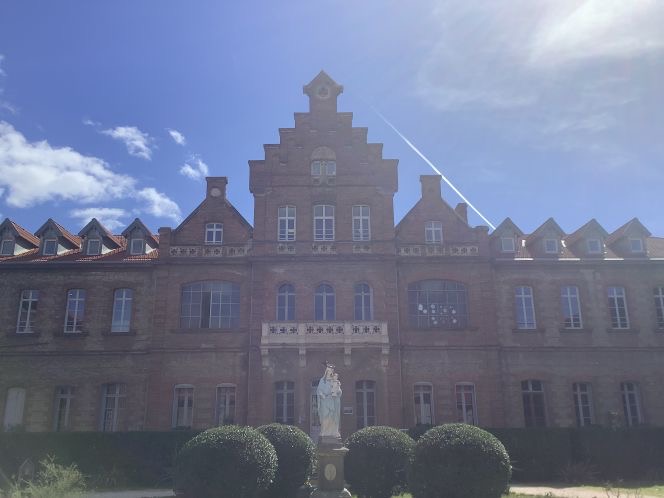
(525, 308)
(210, 305)
(440, 304)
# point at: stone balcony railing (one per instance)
(307, 335)
(210, 251)
(438, 250)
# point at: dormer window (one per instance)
(137, 246)
(551, 246)
(433, 232)
(594, 246)
(214, 233)
(636, 245)
(507, 244)
(50, 247)
(94, 247)
(7, 248)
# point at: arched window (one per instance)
(363, 304)
(438, 304)
(210, 305)
(324, 303)
(286, 303)
(323, 162)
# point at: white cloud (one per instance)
(109, 217)
(90, 122)
(138, 143)
(158, 204)
(177, 137)
(195, 169)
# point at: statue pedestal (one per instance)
(331, 481)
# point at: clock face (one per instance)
(215, 192)
(330, 472)
(323, 92)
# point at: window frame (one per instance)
(439, 295)
(618, 321)
(187, 409)
(52, 241)
(364, 292)
(284, 396)
(118, 399)
(325, 292)
(325, 233)
(362, 233)
(631, 419)
(7, 243)
(590, 249)
(32, 301)
(126, 306)
(286, 310)
(200, 299)
(462, 416)
(583, 419)
(551, 249)
(287, 233)
(217, 411)
(88, 247)
(79, 311)
(658, 295)
(132, 246)
(419, 390)
(528, 392)
(567, 302)
(433, 230)
(64, 394)
(641, 246)
(512, 247)
(521, 300)
(213, 229)
(15, 418)
(363, 388)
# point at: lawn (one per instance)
(657, 490)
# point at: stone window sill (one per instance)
(23, 334)
(118, 334)
(622, 331)
(569, 330)
(73, 335)
(207, 331)
(529, 331)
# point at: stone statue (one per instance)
(329, 402)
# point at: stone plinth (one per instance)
(331, 482)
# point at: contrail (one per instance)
(426, 160)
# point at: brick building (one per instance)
(428, 321)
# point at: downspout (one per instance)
(403, 407)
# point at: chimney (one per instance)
(462, 210)
(216, 187)
(430, 186)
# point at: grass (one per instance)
(656, 490)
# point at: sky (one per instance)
(531, 108)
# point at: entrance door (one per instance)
(314, 420)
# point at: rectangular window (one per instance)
(507, 244)
(137, 246)
(534, 413)
(323, 222)
(210, 305)
(551, 246)
(465, 400)
(284, 402)
(433, 232)
(525, 308)
(214, 233)
(62, 408)
(286, 224)
(583, 404)
(50, 247)
(225, 406)
(7, 248)
(122, 299)
(631, 403)
(571, 307)
(75, 311)
(183, 406)
(365, 398)
(423, 404)
(618, 308)
(636, 245)
(26, 312)
(112, 406)
(94, 247)
(594, 246)
(659, 306)
(14, 406)
(361, 223)
(286, 303)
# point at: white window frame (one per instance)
(363, 291)
(324, 213)
(54, 251)
(325, 292)
(420, 390)
(361, 223)
(89, 247)
(551, 246)
(113, 397)
(7, 247)
(14, 408)
(137, 246)
(460, 390)
(433, 232)
(285, 293)
(25, 325)
(284, 393)
(188, 397)
(362, 390)
(507, 244)
(226, 396)
(122, 301)
(632, 410)
(590, 249)
(583, 398)
(569, 299)
(286, 223)
(62, 407)
(636, 245)
(75, 300)
(525, 302)
(659, 306)
(323, 167)
(617, 302)
(214, 234)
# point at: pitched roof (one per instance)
(592, 225)
(137, 223)
(105, 232)
(62, 231)
(549, 224)
(20, 231)
(623, 231)
(505, 225)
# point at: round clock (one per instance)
(215, 192)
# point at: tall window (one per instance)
(361, 223)
(62, 408)
(14, 406)
(122, 299)
(583, 404)
(525, 308)
(438, 304)
(7, 248)
(423, 403)
(26, 312)
(94, 247)
(631, 403)
(284, 402)
(225, 405)
(210, 305)
(50, 247)
(214, 233)
(112, 406)
(286, 223)
(534, 413)
(659, 306)
(286, 303)
(183, 406)
(433, 232)
(363, 308)
(465, 400)
(618, 308)
(571, 307)
(75, 311)
(365, 398)
(323, 222)
(324, 306)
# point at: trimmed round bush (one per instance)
(459, 461)
(225, 462)
(377, 460)
(295, 455)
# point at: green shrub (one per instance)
(225, 462)
(52, 481)
(459, 461)
(295, 454)
(376, 463)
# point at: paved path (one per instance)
(568, 492)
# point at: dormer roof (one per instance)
(322, 80)
(137, 223)
(60, 230)
(19, 231)
(94, 223)
(592, 226)
(631, 227)
(549, 225)
(507, 226)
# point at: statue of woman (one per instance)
(329, 402)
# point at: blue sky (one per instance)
(531, 108)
